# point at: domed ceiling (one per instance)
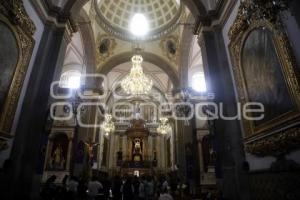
(115, 16)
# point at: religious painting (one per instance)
(265, 72)
(16, 44)
(9, 53)
(208, 152)
(59, 153)
(263, 75)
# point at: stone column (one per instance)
(34, 110)
(124, 147)
(70, 146)
(200, 135)
(111, 152)
(48, 153)
(180, 148)
(150, 149)
(230, 153)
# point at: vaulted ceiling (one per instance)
(117, 14)
(169, 21)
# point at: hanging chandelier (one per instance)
(136, 82)
(108, 125)
(164, 127)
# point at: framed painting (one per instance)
(16, 30)
(265, 72)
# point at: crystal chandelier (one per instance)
(108, 125)
(164, 126)
(136, 82)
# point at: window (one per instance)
(70, 79)
(198, 82)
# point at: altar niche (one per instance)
(137, 149)
(58, 154)
(137, 136)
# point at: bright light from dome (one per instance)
(198, 82)
(139, 25)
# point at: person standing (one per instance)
(128, 190)
(72, 187)
(165, 195)
(116, 188)
(136, 185)
(149, 189)
(93, 188)
(142, 195)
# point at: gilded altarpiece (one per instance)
(265, 72)
(16, 45)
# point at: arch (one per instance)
(74, 6)
(88, 40)
(148, 57)
(58, 134)
(186, 41)
(196, 7)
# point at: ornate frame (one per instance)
(100, 58)
(263, 140)
(172, 57)
(13, 14)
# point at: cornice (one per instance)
(50, 14)
(215, 18)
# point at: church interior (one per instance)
(150, 99)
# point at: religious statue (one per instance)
(90, 150)
(137, 150)
(57, 160)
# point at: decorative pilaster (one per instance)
(228, 134)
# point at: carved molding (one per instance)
(276, 144)
(256, 10)
(14, 10)
(274, 185)
(13, 15)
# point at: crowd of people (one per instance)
(117, 188)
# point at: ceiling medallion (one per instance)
(108, 125)
(136, 82)
(164, 127)
(105, 49)
(170, 47)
